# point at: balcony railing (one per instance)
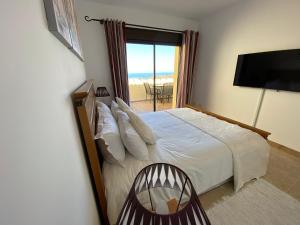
(138, 92)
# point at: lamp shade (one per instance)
(102, 92)
(162, 176)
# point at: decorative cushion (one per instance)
(123, 106)
(143, 129)
(131, 139)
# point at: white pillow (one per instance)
(142, 128)
(115, 109)
(104, 114)
(131, 139)
(123, 106)
(108, 138)
(103, 107)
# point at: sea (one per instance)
(148, 75)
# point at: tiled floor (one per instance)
(283, 172)
(147, 106)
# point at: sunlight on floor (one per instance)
(147, 106)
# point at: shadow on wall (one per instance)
(218, 52)
(207, 67)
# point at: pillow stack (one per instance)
(143, 129)
(131, 139)
(108, 137)
(121, 125)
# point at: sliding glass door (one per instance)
(152, 76)
(166, 68)
(140, 65)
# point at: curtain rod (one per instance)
(88, 19)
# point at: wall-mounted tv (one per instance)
(279, 70)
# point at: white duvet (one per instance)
(209, 150)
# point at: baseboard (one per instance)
(287, 149)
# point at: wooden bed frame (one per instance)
(84, 102)
(262, 133)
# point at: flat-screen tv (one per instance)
(279, 70)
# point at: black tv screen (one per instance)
(279, 70)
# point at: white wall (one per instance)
(43, 174)
(246, 27)
(93, 36)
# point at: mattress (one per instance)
(207, 160)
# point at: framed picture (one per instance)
(62, 23)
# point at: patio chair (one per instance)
(150, 91)
(167, 92)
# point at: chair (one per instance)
(167, 92)
(150, 91)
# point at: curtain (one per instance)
(188, 55)
(116, 45)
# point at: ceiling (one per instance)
(192, 9)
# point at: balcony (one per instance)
(141, 98)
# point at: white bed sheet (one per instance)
(205, 159)
(250, 152)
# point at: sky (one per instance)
(140, 58)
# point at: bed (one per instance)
(210, 148)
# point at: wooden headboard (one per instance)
(84, 101)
